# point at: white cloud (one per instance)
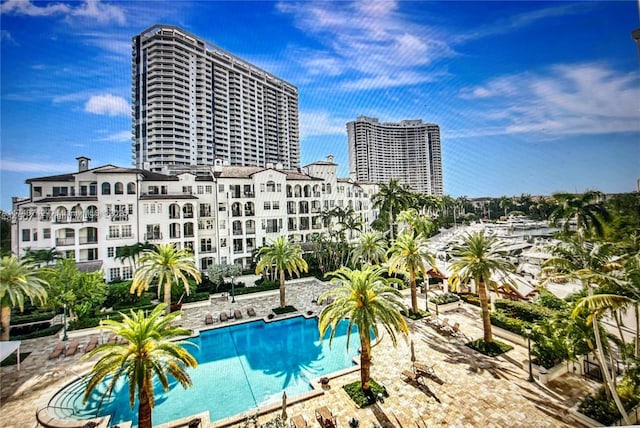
(118, 137)
(25, 7)
(107, 104)
(94, 10)
(576, 99)
(9, 165)
(313, 123)
(380, 46)
(6, 36)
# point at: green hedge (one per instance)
(267, 285)
(40, 333)
(285, 310)
(195, 297)
(470, 298)
(445, 298)
(524, 311)
(492, 349)
(354, 390)
(35, 317)
(514, 325)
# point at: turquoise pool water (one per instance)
(240, 367)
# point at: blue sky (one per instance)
(531, 97)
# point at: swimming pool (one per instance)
(240, 367)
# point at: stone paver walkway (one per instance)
(476, 391)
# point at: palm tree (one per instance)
(371, 248)
(411, 220)
(42, 256)
(165, 265)
(282, 256)
(18, 279)
(587, 209)
(480, 257)
(391, 199)
(131, 253)
(147, 353)
(366, 299)
(591, 264)
(409, 254)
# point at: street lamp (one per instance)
(233, 292)
(64, 322)
(527, 331)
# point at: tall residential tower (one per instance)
(408, 151)
(193, 102)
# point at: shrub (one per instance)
(551, 301)
(23, 330)
(40, 333)
(35, 317)
(118, 294)
(525, 311)
(492, 349)
(265, 286)
(415, 316)
(285, 310)
(195, 297)
(470, 298)
(354, 390)
(445, 298)
(514, 325)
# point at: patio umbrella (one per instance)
(284, 406)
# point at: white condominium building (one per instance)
(223, 215)
(193, 102)
(408, 151)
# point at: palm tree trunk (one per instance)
(5, 322)
(637, 310)
(365, 360)
(618, 317)
(391, 224)
(414, 291)
(605, 371)
(167, 296)
(144, 410)
(484, 305)
(282, 299)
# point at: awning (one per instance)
(8, 348)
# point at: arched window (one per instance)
(236, 209)
(174, 230)
(106, 188)
(249, 209)
(289, 191)
(61, 215)
(250, 226)
(174, 211)
(76, 213)
(118, 189)
(188, 230)
(237, 227)
(307, 191)
(91, 214)
(187, 211)
(131, 188)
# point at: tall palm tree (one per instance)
(391, 199)
(371, 248)
(43, 256)
(411, 220)
(165, 265)
(481, 258)
(409, 254)
(366, 299)
(586, 209)
(18, 279)
(283, 256)
(592, 265)
(147, 353)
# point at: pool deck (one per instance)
(470, 390)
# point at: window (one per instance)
(222, 206)
(62, 191)
(188, 245)
(205, 245)
(46, 233)
(153, 190)
(127, 272)
(267, 205)
(188, 230)
(278, 187)
(26, 235)
(223, 224)
(37, 191)
(200, 189)
(118, 189)
(223, 242)
(153, 232)
(114, 274)
(106, 188)
(206, 262)
(127, 231)
(208, 189)
(174, 230)
(220, 187)
(187, 211)
(271, 186)
(131, 188)
(114, 232)
(130, 208)
(275, 205)
(187, 190)
(34, 234)
(111, 251)
(205, 210)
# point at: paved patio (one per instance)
(474, 390)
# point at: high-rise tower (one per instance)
(408, 151)
(193, 102)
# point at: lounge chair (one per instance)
(72, 349)
(251, 312)
(411, 376)
(237, 314)
(451, 331)
(423, 369)
(57, 351)
(93, 343)
(224, 316)
(298, 421)
(208, 319)
(325, 417)
(444, 324)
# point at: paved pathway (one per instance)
(476, 391)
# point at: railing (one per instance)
(88, 240)
(249, 213)
(152, 236)
(237, 231)
(251, 230)
(65, 241)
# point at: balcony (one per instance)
(251, 230)
(60, 242)
(237, 231)
(249, 194)
(153, 236)
(91, 240)
(119, 217)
